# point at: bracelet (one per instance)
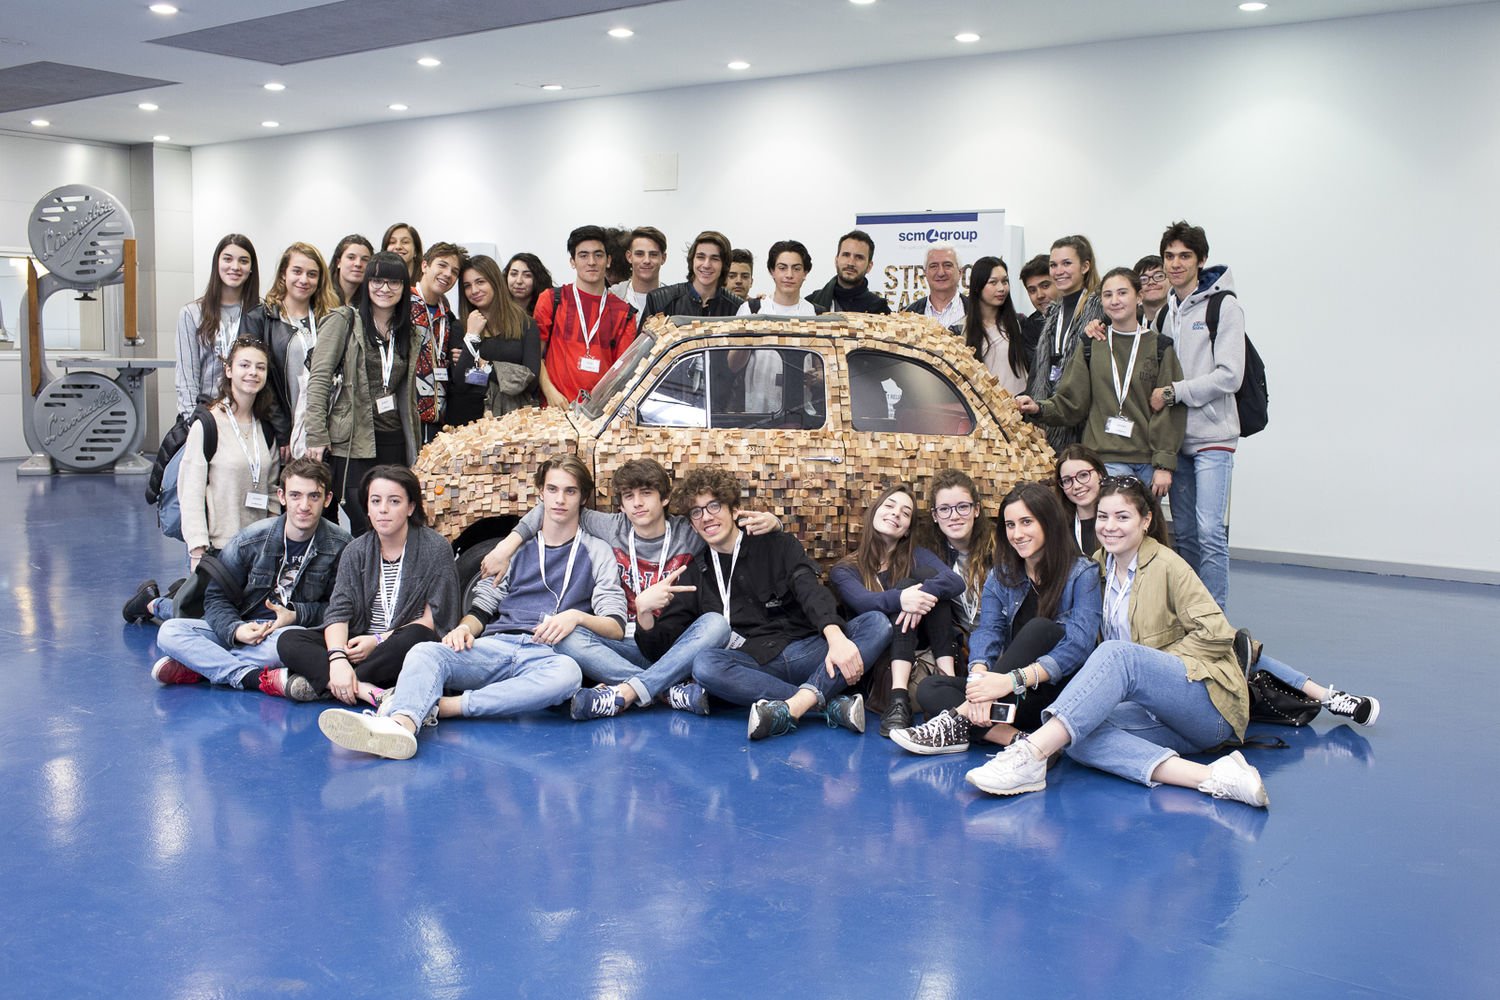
(1018, 682)
(337, 652)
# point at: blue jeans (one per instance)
(192, 643)
(620, 661)
(504, 674)
(1200, 502)
(1130, 707)
(1142, 471)
(736, 676)
(1280, 671)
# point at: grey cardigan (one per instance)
(428, 576)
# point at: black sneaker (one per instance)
(946, 732)
(847, 711)
(897, 715)
(770, 718)
(1361, 709)
(138, 608)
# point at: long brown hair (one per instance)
(415, 267)
(981, 540)
(1059, 550)
(873, 549)
(1076, 453)
(323, 299)
(211, 304)
(503, 318)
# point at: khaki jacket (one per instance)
(1172, 611)
(348, 429)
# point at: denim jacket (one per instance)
(253, 556)
(1079, 613)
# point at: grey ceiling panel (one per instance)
(39, 84)
(350, 26)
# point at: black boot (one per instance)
(897, 715)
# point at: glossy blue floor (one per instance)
(187, 842)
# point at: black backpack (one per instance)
(171, 444)
(1252, 399)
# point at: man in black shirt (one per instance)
(849, 291)
(789, 650)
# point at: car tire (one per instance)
(468, 570)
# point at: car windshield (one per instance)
(619, 373)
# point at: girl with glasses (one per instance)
(889, 573)
(1038, 621)
(1076, 476)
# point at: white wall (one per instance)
(1326, 161)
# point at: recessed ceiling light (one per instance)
(162, 8)
(552, 86)
(967, 37)
(620, 32)
(429, 62)
(739, 64)
(41, 123)
(1251, 8)
(146, 106)
(270, 124)
(396, 107)
(274, 88)
(861, 3)
(161, 138)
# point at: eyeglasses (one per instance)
(1081, 478)
(712, 507)
(1154, 278)
(386, 284)
(948, 510)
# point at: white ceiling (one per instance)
(676, 44)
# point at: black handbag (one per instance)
(1275, 701)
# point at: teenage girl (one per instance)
(208, 325)
(1075, 280)
(526, 278)
(992, 330)
(501, 351)
(1077, 475)
(403, 240)
(349, 259)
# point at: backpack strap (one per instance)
(1215, 303)
(219, 573)
(205, 416)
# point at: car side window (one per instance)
(679, 398)
(780, 388)
(891, 393)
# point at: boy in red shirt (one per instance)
(584, 328)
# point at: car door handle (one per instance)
(835, 459)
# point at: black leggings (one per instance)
(1036, 638)
(935, 632)
(304, 653)
(348, 473)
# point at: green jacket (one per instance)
(348, 429)
(1172, 611)
(1086, 392)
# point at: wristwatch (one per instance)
(1169, 395)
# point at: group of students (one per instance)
(686, 597)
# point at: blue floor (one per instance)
(195, 843)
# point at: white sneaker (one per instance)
(366, 733)
(1232, 777)
(1014, 770)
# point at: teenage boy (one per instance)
(433, 320)
(741, 273)
(1211, 375)
(503, 656)
(285, 568)
(849, 289)
(703, 293)
(647, 253)
(789, 652)
(789, 262)
(943, 272)
(1036, 278)
(651, 549)
(583, 328)
(1154, 290)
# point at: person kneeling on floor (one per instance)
(284, 567)
(502, 656)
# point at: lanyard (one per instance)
(307, 336)
(1065, 322)
(387, 361)
(388, 598)
(253, 457)
(437, 318)
(638, 579)
(590, 333)
(1114, 368)
(1078, 531)
(1111, 609)
(471, 342)
(719, 572)
(541, 565)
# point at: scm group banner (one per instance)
(902, 238)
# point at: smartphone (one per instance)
(1002, 711)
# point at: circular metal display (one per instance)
(84, 421)
(78, 233)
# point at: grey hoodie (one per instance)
(1211, 375)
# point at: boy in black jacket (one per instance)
(789, 651)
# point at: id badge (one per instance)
(1121, 426)
(588, 364)
(735, 641)
(258, 501)
(475, 376)
(385, 404)
(440, 374)
(1056, 373)
(630, 630)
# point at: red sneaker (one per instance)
(168, 671)
(273, 681)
